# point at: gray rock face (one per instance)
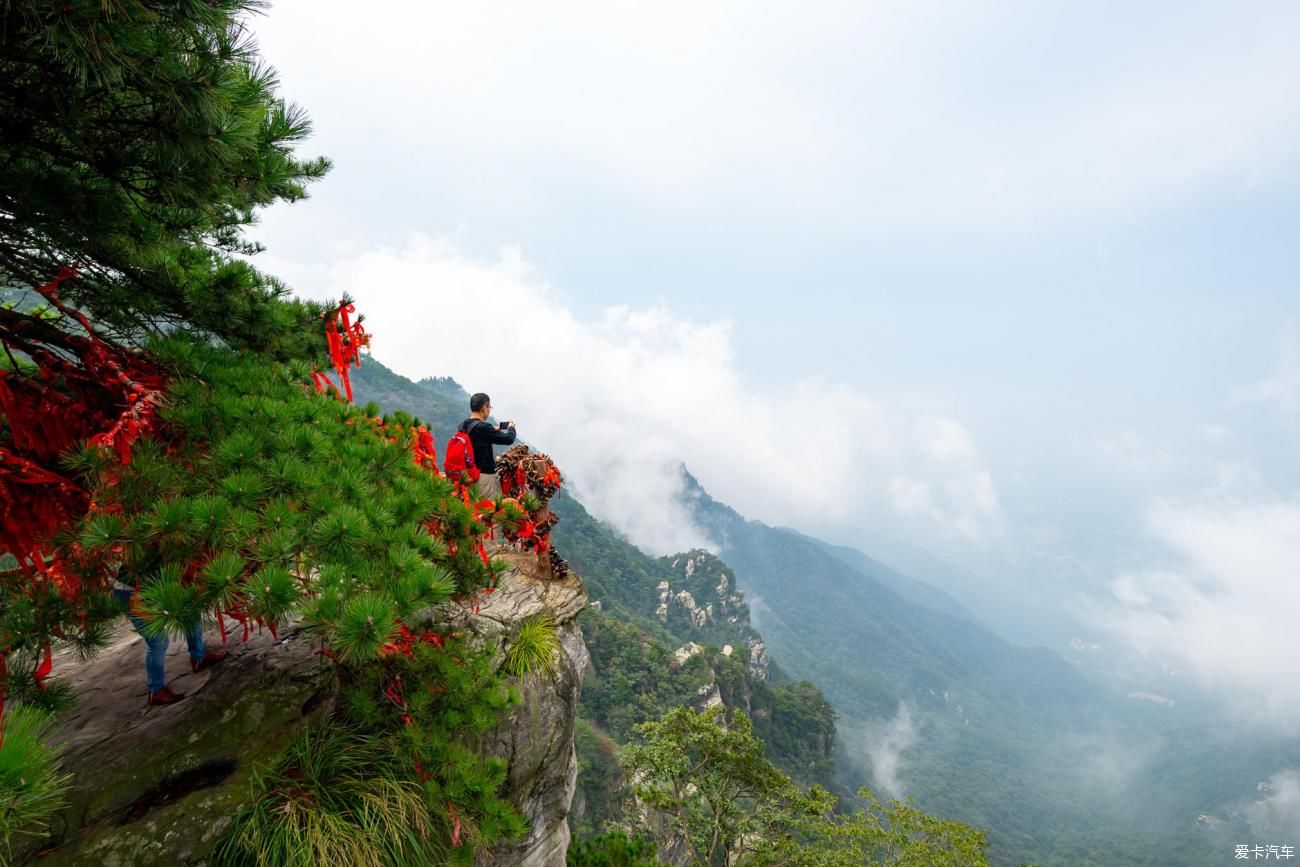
(758, 658)
(705, 597)
(157, 786)
(537, 735)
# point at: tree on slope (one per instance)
(137, 139)
(158, 413)
(725, 805)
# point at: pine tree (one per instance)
(163, 423)
(137, 139)
(725, 804)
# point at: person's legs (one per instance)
(155, 659)
(195, 640)
(155, 654)
(489, 486)
(200, 656)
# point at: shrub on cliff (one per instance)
(724, 804)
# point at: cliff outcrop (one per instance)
(158, 786)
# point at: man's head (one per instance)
(480, 405)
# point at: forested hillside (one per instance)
(990, 725)
(1007, 738)
(662, 632)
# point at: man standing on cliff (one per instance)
(482, 435)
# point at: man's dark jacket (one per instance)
(482, 436)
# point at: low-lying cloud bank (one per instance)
(1225, 610)
(622, 399)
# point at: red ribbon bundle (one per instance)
(345, 339)
(83, 388)
(424, 449)
(406, 640)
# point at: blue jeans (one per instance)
(155, 656)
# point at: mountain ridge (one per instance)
(976, 728)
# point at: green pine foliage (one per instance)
(31, 788)
(264, 497)
(138, 138)
(453, 696)
(318, 515)
(33, 613)
(325, 517)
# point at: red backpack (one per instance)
(460, 457)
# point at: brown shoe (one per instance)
(165, 696)
(210, 658)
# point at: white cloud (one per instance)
(1226, 610)
(1275, 817)
(924, 115)
(622, 399)
(884, 742)
(1107, 759)
(946, 440)
(968, 507)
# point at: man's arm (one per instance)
(494, 435)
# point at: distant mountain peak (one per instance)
(445, 386)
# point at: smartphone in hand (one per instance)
(502, 425)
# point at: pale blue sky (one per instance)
(1066, 229)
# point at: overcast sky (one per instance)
(1013, 283)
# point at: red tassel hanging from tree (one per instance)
(344, 339)
(82, 388)
(455, 831)
(47, 665)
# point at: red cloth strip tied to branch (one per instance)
(424, 449)
(406, 640)
(455, 831)
(77, 387)
(345, 339)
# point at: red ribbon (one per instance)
(344, 339)
(47, 665)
